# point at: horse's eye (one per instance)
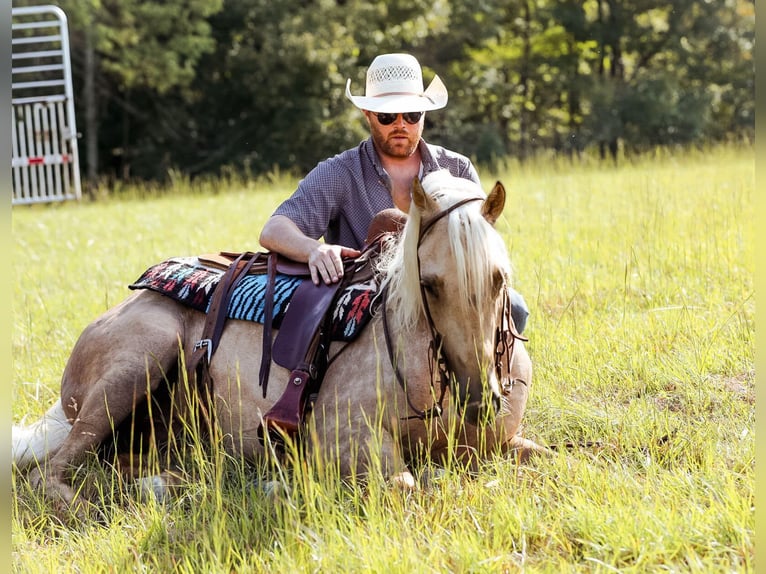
(428, 287)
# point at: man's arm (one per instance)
(281, 235)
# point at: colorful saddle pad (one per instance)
(189, 282)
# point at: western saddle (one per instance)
(303, 340)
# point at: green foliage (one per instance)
(211, 87)
(156, 45)
(640, 283)
(149, 45)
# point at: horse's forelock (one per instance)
(445, 188)
(399, 269)
(476, 246)
(478, 251)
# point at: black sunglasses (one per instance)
(409, 117)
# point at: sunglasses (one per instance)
(409, 117)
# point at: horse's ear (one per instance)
(422, 201)
(494, 204)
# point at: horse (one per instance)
(439, 369)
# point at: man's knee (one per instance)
(519, 310)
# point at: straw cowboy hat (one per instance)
(395, 85)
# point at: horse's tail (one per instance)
(34, 443)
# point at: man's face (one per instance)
(398, 139)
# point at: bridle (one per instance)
(505, 334)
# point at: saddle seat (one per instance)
(308, 305)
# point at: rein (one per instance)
(504, 348)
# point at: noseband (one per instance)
(504, 336)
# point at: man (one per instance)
(338, 199)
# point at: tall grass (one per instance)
(640, 283)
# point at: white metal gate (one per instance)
(44, 163)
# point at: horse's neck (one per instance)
(405, 339)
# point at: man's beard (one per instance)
(396, 148)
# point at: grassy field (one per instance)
(640, 285)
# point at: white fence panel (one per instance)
(44, 160)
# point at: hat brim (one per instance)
(434, 98)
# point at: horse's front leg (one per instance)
(514, 402)
(394, 468)
(358, 444)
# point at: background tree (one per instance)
(129, 46)
(656, 71)
(215, 87)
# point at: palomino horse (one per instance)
(438, 368)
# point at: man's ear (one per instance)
(494, 204)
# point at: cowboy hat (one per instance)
(395, 85)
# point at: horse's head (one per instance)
(454, 276)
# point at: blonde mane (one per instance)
(477, 249)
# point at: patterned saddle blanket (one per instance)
(187, 281)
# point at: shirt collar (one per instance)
(427, 162)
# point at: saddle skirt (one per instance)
(190, 282)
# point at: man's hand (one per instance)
(326, 261)
(281, 235)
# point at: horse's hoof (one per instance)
(153, 488)
(404, 480)
(524, 449)
(432, 476)
(35, 478)
(61, 500)
(272, 489)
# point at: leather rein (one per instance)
(503, 346)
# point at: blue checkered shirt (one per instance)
(339, 197)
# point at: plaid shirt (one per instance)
(339, 197)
